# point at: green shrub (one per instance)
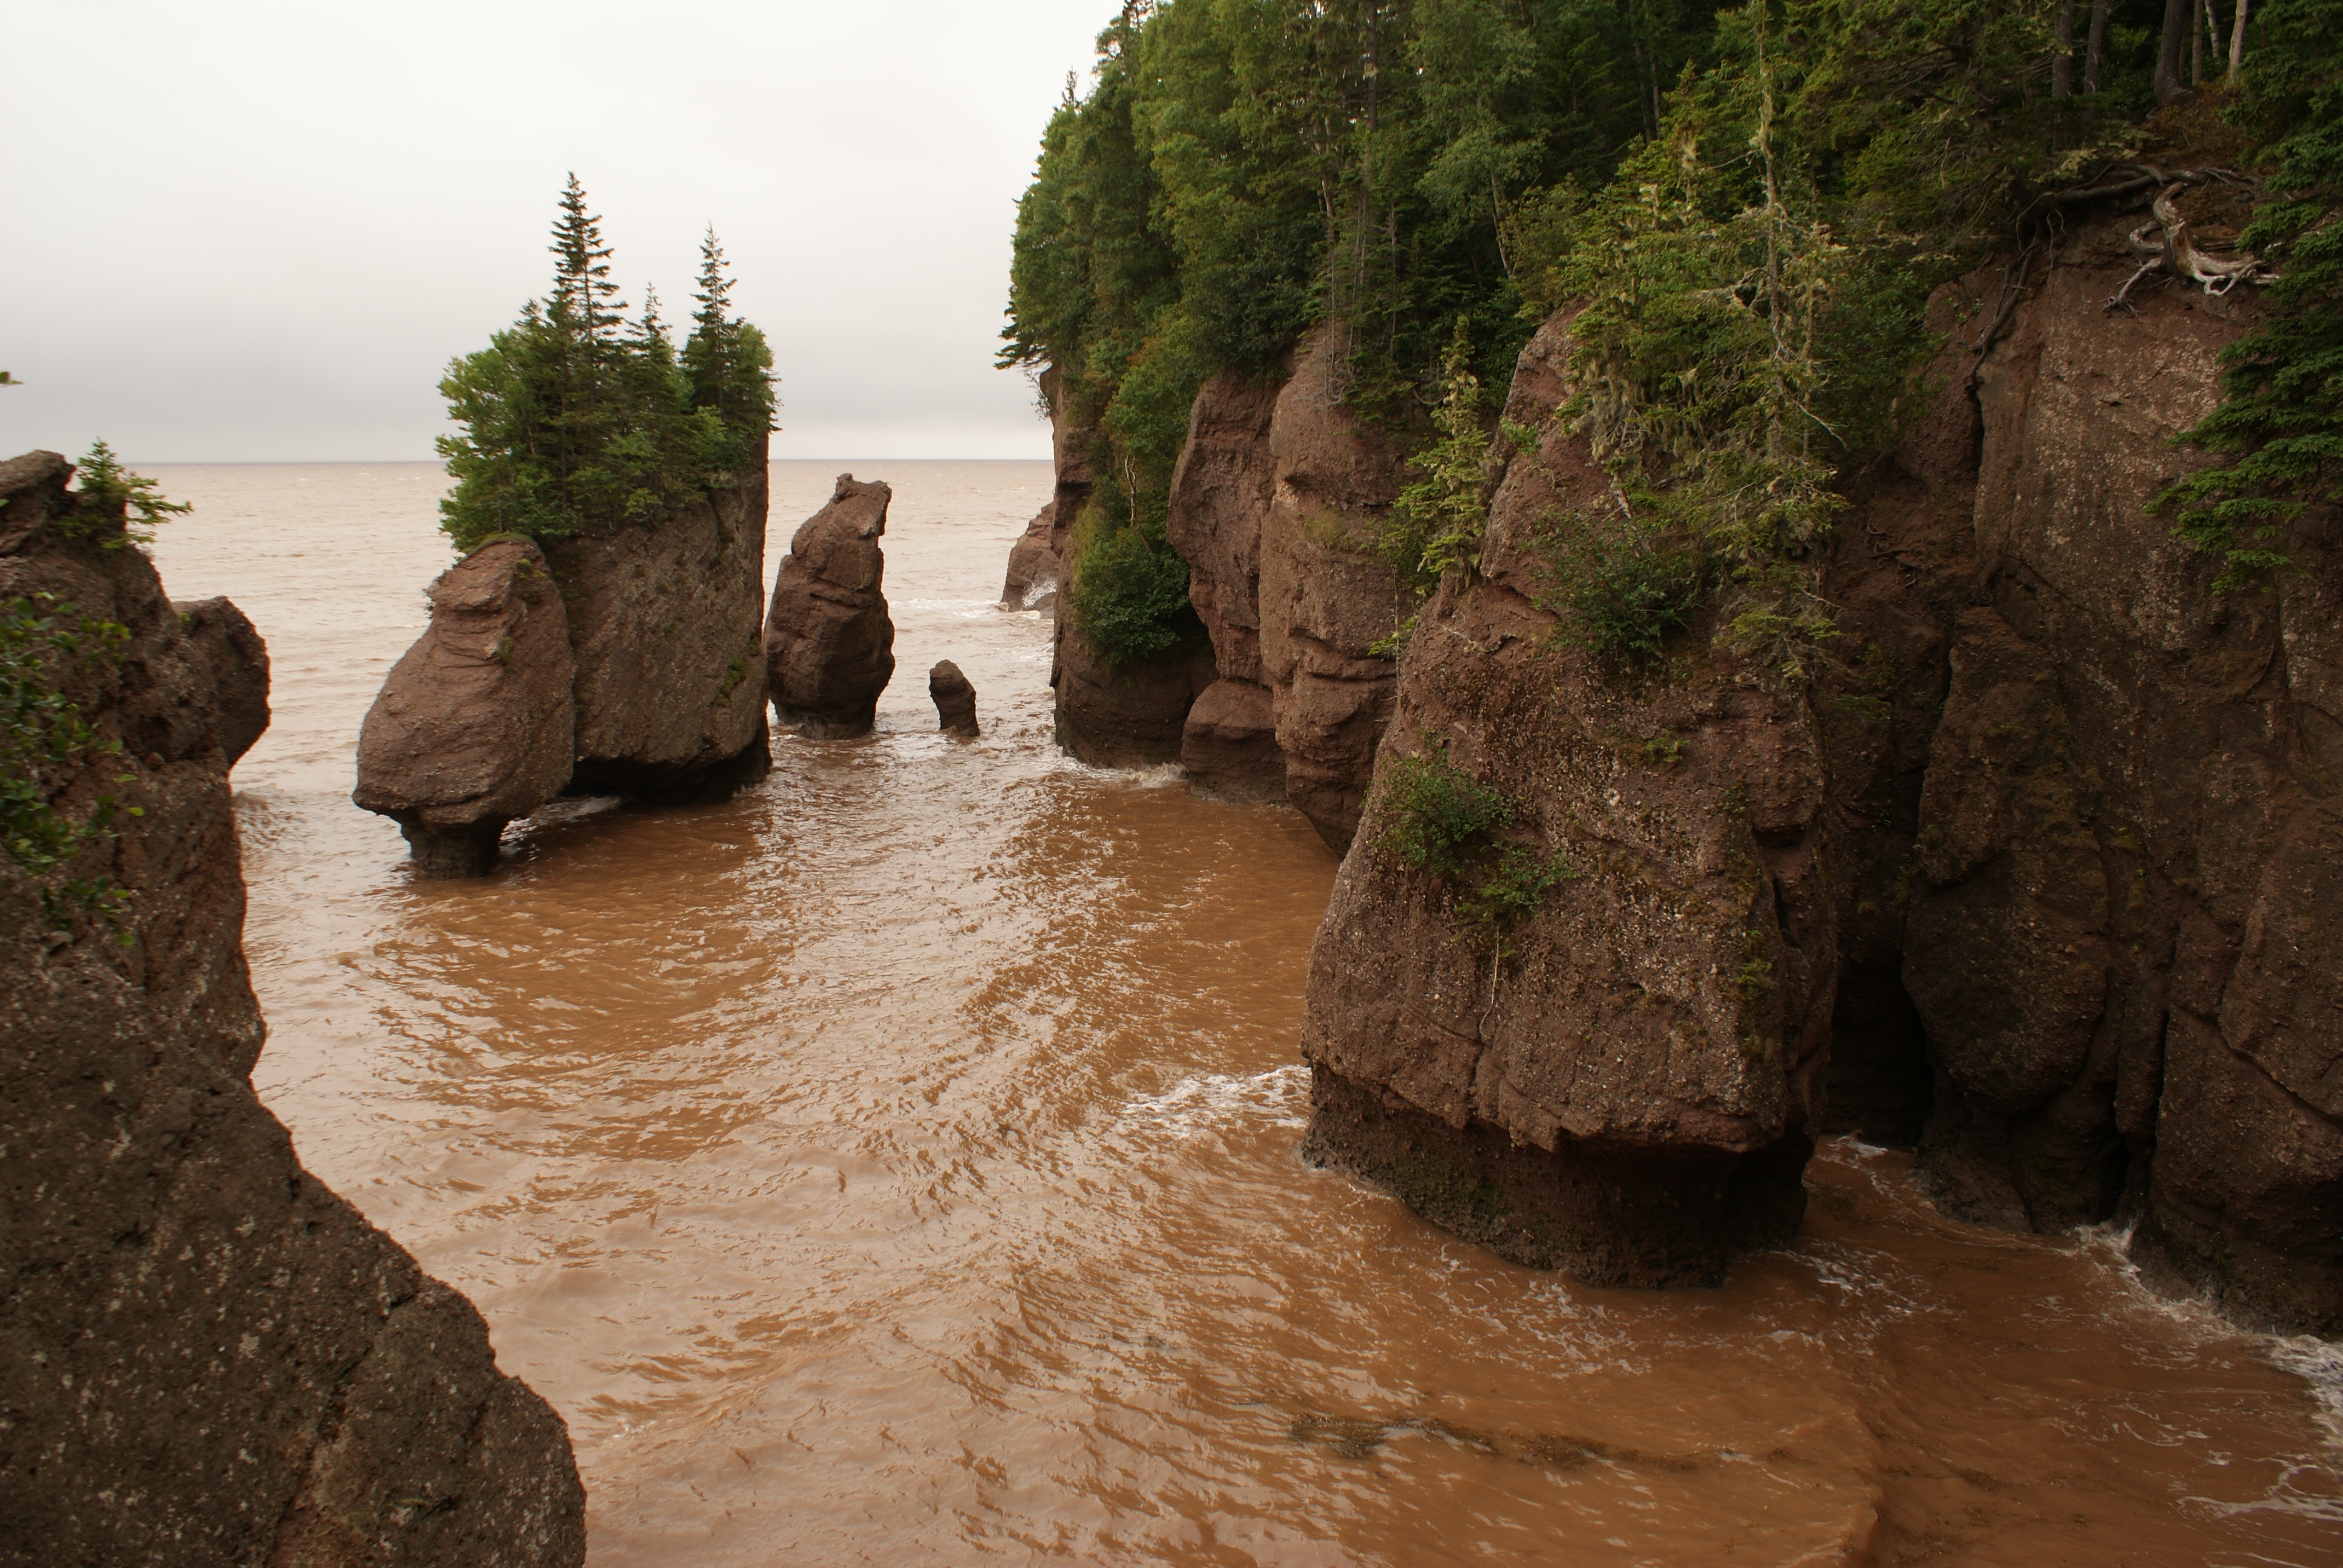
(43, 739)
(1445, 822)
(1130, 591)
(107, 492)
(1620, 587)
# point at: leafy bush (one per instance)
(1129, 590)
(1439, 813)
(42, 738)
(576, 421)
(1621, 586)
(1444, 822)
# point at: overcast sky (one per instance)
(245, 231)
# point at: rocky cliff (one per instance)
(666, 621)
(205, 1355)
(1275, 504)
(476, 723)
(2043, 869)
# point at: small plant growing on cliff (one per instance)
(576, 421)
(1621, 586)
(42, 738)
(107, 491)
(1446, 823)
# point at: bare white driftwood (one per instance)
(2171, 247)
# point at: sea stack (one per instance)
(1032, 579)
(475, 726)
(955, 700)
(237, 660)
(829, 643)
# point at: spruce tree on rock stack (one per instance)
(639, 471)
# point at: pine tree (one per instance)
(577, 420)
(728, 368)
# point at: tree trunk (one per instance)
(2062, 57)
(2238, 41)
(2098, 39)
(2176, 19)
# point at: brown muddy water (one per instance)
(896, 1165)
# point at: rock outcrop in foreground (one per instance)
(206, 1357)
(830, 647)
(1634, 1096)
(475, 725)
(2047, 868)
(955, 700)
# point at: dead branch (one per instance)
(2170, 244)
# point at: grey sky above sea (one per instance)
(255, 232)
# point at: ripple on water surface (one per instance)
(897, 1165)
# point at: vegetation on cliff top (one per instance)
(577, 420)
(1750, 202)
(2280, 421)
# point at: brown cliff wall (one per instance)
(205, 1355)
(2052, 848)
(1631, 1092)
(1275, 504)
(667, 622)
(2124, 886)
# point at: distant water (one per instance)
(896, 1165)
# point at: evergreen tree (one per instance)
(577, 420)
(728, 366)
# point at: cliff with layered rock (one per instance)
(2041, 869)
(205, 1355)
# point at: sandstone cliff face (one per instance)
(828, 645)
(1634, 1096)
(1275, 505)
(206, 1356)
(665, 621)
(475, 724)
(2043, 872)
(1326, 599)
(2125, 889)
(1220, 499)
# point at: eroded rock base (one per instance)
(468, 852)
(1605, 1216)
(652, 786)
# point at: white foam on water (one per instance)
(1277, 1098)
